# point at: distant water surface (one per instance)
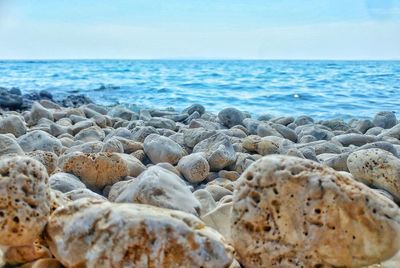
(321, 89)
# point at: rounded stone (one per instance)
(230, 117)
(162, 149)
(194, 167)
(385, 119)
(162, 188)
(377, 168)
(292, 212)
(40, 140)
(100, 169)
(12, 124)
(65, 182)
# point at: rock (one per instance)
(243, 161)
(162, 149)
(336, 124)
(38, 112)
(160, 122)
(65, 182)
(283, 120)
(9, 100)
(218, 151)
(48, 159)
(84, 193)
(386, 146)
(193, 136)
(194, 167)
(314, 130)
(394, 132)
(354, 139)
(48, 104)
(217, 192)
(93, 133)
(75, 100)
(262, 146)
(12, 124)
(194, 108)
(87, 147)
(43, 263)
(385, 120)
(207, 202)
(39, 140)
(9, 146)
(285, 209)
(377, 168)
(266, 129)
(123, 113)
(100, 169)
(362, 125)
(24, 200)
(113, 145)
(140, 133)
(103, 234)
(303, 120)
(336, 161)
(161, 188)
(219, 219)
(27, 253)
(230, 117)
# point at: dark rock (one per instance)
(75, 101)
(9, 100)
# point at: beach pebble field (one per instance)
(84, 185)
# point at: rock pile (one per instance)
(93, 186)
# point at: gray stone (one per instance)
(65, 182)
(162, 149)
(218, 151)
(39, 140)
(231, 117)
(12, 124)
(161, 188)
(385, 119)
(194, 167)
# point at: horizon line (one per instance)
(199, 59)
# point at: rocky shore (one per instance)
(93, 186)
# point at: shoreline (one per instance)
(195, 187)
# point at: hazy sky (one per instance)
(255, 29)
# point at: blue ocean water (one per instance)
(322, 89)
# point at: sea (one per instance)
(320, 89)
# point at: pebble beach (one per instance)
(88, 185)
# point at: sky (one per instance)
(200, 29)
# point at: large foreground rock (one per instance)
(377, 168)
(101, 234)
(290, 212)
(24, 200)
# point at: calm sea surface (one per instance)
(322, 89)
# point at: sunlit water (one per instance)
(322, 89)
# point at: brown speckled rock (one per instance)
(28, 253)
(24, 200)
(291, 212)
(100, 169)
(48, 159)
(102, 234)
(378, 168)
